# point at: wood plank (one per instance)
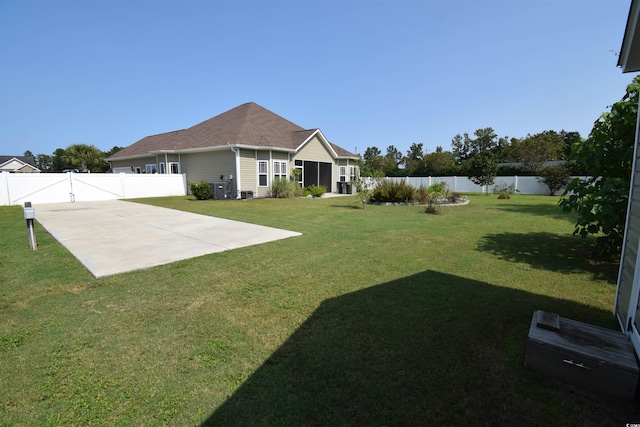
(605, 345)
(548, 320)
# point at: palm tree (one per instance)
(83, 154)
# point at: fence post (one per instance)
(122, 183)
(516, 183)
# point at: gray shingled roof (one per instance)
(26, 159)
(248, 124)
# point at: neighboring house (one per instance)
(242, 150)
(18, 164)
(627, 304)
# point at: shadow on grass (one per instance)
(428, 349)
(548, 251)
(537, 209)
(350, 206)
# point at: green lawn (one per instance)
(383, 316)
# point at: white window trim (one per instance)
(170, 170)
(281, 167)
(162, 168)
(150, 168)
(342, 173)
(265, 173)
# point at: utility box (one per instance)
(219, 189)
(29, 213)
(583, 355)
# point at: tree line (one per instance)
(80, 157)
(468, 153)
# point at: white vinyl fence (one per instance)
(462, 184)
(17, 188)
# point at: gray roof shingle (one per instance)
(247, 124)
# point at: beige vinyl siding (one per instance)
(624, 305)
(134, 163)
(208, 166)
(267, 155)
(315, 150)
(248, 173)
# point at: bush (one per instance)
(554, 177)
(282, 188)
(439, 187)
(201, 190)
(432, 203)
(317, 191)
(392, 191)
(505, 191)
(421, 195)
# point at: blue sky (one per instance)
(366, 72)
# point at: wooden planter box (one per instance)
(583, 355)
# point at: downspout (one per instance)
(236, 151)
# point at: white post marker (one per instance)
(30, 215)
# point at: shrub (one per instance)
(362, 190)
(505, 191)
(432, 203)
(201, 190)
(282, 188)
(554, 177)
(317, 191)
(421, 195)
(392, 191)
(439, 187)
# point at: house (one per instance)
(626, 307)
(240, 151)
(18, 164)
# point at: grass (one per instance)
(382, 316)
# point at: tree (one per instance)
(607, 156)
(391, 161)
(44, 162)
(568, 139)
(438, 162)
(534, 150)
(59, 161)
(394, 153)
(479, 153)
(483, 169)
(460, 147)
(413, 159)
(28, 153)
(372, 162)
(86, 156)
(554, 177)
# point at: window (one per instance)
(343, 173)
(162, 167)
(299, 167)
(352, 173)
(174, 167)
(150, 168)
(280, 170)
(263, 170)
